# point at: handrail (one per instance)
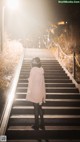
(78, 64)
(49, 45)
(69, 56)
(69, 74)
(11, 94)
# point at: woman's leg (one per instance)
(36, 113)
(41, 116)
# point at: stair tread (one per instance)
(24, 128)
(66, 100)
(50, 87)
(45, 116)
(44, 107)
(53, 93)
(47, 79)
(47, 83)
(23, 140)
(54, 140)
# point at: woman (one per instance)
(36, 91)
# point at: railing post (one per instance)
(58, 52)
(74, 66)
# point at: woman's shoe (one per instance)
(35, 127)
(42, 127)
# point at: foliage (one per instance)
(9, 58)
(69, 43)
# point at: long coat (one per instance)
(36, 86)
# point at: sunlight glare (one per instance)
(13, 4)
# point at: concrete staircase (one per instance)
(61, 110)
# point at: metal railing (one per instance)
(71, 60)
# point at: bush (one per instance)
(9, 59)
(69, 43)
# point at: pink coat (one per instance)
(36, 86)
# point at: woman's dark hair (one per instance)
(36, 62)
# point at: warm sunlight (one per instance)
(13, 4)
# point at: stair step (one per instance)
(44, 64)
(27, 140)
(48, 110)
(56, 132)
(46, 73)
(28, 60)
(64, 80)
(52, 96)
(47, 70)
(63, 89)
(51, 100)
(68, 94)
(63, 140)
(50, 120)
(53, 59)
(49, 77)
(53, 89)
(24, 128)
(45, 107)
(42, 61)
(22, 87)
(50, 84)
(56, 102)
